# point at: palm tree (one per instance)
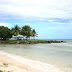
(34, 33)
(26, 31)
(15, 31)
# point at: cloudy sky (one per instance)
(52, 19)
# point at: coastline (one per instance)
(29, 41)
(19, 64)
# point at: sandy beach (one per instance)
(10, 63)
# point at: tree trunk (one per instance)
(3, 38)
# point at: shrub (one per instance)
(1, 71)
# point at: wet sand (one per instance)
(12, 64)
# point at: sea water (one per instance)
(57, 54)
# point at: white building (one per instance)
(18, 37)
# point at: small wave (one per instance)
(63, 44)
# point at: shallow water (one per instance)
(58, 54)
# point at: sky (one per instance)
(52, 19)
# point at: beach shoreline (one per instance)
(11, 63)
(8, 64)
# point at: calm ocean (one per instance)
(58, 54)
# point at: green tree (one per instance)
(15, 31)
(5, 32)
(33, 34)
(26, 31)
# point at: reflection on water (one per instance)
(59, 54)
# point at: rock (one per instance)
(18, 42)
(5, 64)
(62, 41)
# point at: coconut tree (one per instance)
(26, 31)
(15, 31)
(34, 33)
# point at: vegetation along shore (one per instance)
(24, 35)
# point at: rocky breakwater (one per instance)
(30, 42)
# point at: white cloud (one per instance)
(38, 8)
(28, 24)
(5, 24)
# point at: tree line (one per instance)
(26, 31)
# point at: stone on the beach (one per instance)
(5, 64)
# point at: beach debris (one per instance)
(10, 71)
(5, 64)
